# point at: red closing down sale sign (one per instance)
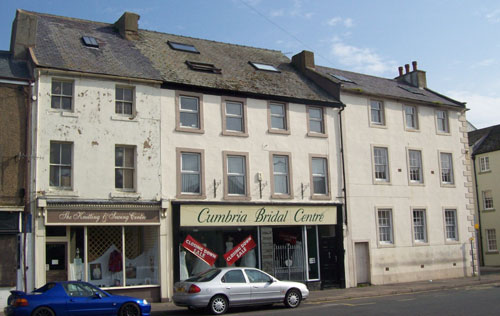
(197, 249)
(239, 251)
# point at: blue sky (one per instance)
(456, 42)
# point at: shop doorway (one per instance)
(55, 261)
(288, 254)
(331, 256)
(362, 263)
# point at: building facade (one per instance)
(15, 93)
(408, 177)
(485, 146)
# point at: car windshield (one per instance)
(205, 276)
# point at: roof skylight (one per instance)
(341, 78)
(90, 41)
(183, 47)
(265, 67)
(203, 67)
(411, 89)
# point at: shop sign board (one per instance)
(199, 250)
(239, 251)
(99, 217)
(256, 215)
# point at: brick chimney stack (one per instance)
(128, 25)
(416, 78)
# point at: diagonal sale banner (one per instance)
(199, 250)
(239, 251)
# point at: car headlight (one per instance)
(145, 302)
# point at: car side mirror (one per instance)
(97, 295)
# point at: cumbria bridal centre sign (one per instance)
(256, 215)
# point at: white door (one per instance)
(362, 262)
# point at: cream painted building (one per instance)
(485, 145)
(408, 178)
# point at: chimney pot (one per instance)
(400, 68)
(407, 68)
(414, 63)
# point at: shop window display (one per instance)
(220, 242)
(116, 256)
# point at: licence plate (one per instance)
(180, 289)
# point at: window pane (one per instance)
(67, 88)
(278, 109)
(55, 154)
(65, 176)
(129, 157)
(280, 164)
(318, 166)
(188, 103)
(119, 94)
(190, 162)
(54, 176)
(55, 102)
(234, 124)
(105, 256)
(234, 108)
(281, 184)
(129, 179)
(127, 94)
(319, 185)
(316, 126)
(66, 154)
(119, 178)
(56, 87)
(189, 119)
(66, 103)
(236, 165)
(236, 185)
(191, 183)
(127, 108)
(277, 122)
(119, 156)
(315, 113)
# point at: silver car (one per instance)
(220, 288)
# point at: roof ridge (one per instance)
(358, 73)
(64, 17)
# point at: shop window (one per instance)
(289, 253)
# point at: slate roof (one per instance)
(59, 45)
(390, 88)
(485, 140)
(12, 69)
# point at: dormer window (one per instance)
(183, 47)
(264, 67)
(203, 67)
(90, 41)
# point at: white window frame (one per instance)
(125, 168)
(122, 101)
(283, 117)
(419, 222)
(379, 119)
(488, 200)
(179, 96)
(484, 164)
(61, 165)
(415, 169)
(442, 118)
(201, 172)
(288, 175)
(385, 238)
(491, 240)
(325, 176)
(413, 117)
(321, 120)
(375, 164)
(233, 196)
(242, 117)
(449, 170)
(62, 95)
(450, 229)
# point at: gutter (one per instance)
(344, 185)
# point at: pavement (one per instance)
(489, 275)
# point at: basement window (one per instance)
(90, 41)
(183, 47)
(341, 78)
(203, 67)
(264, 67)
(411, 89)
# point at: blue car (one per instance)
(73, 298)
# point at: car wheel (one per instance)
(43, 311)
(292, 298)
(129, 309)
(218, 305)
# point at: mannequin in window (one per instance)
(249, 259)
(200, 265)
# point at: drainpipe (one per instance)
(480, 242)
(344, 186)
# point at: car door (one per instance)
(85, 300)
(264, 288)
(236, 287)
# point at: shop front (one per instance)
(113, 246)
(285, 240)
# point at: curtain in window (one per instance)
(236, 175)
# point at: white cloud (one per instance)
(361, 59)
(347, 22)
(277, 13)
(484, 63)
(493, 16)
(483, 109)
